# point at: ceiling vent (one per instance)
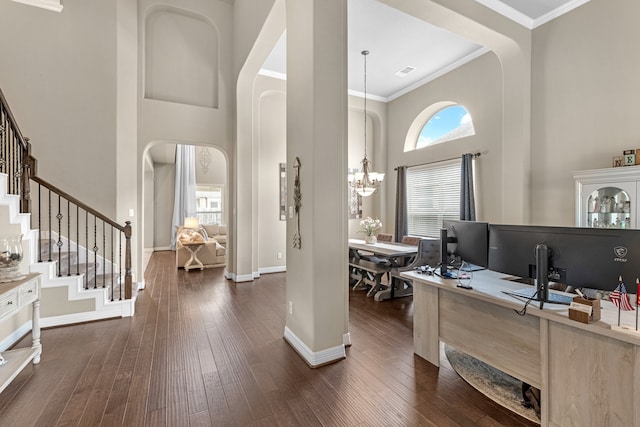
(405, 71)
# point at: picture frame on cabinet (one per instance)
(618, 161)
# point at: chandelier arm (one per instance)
(365, 185)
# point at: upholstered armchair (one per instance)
(428, 254)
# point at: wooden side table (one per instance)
(193, 262)
(13, 297)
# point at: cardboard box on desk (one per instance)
(583, 315)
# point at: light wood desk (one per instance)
(588, 374)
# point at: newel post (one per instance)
(128, 286)
(25, 178)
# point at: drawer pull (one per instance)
(30, 291)
(10, 302)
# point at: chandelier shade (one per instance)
(365, 182)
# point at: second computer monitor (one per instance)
(470, 240)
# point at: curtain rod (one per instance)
(438, 161)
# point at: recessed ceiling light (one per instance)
(405, 71)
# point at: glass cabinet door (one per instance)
(608, 207)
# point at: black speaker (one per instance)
(444, 256)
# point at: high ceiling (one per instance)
(397, 41)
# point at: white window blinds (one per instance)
(433, 194)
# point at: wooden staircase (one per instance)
(84, 257)
(87, 297)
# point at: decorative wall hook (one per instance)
(297, 203)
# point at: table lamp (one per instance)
(189, 230)
(191, 222)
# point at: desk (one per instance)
(396, 253)
(588, 374)
(193, 261)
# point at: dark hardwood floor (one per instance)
(203, 351)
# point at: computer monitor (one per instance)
(578, 257)
(468, 241)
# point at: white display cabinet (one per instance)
(607, 198)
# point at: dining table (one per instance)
(387, 255)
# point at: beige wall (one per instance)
(58, 73)
(372, 206)
(585, 100)
(196, 118)
(60, 79)
(271, 131)
(164, 183)
(217, 169)
(478, 87)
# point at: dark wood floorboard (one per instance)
(204, 351)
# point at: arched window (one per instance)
(449, 123)
(440, 122)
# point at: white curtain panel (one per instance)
(184, 202)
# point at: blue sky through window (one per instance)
(449, 123)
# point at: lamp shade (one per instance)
(191, 222)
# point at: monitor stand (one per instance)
(542, 272)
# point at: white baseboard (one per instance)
(117, 310)
(314, 359)
(241, 278)
(268, 270)
(346, 339)
(15, 336)
(162, 248)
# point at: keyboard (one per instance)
(471, 267)
(554, 298)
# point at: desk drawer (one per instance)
(8, 302)
(28, 292)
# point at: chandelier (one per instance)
(365, 182)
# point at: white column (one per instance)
(317, 295)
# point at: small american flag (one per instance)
(620, 298)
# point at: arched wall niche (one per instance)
(181, 57)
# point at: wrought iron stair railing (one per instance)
(82, 240)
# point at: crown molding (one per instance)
(526, 21)
(53, 5)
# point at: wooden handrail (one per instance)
(14, 123)
(21, 167)
(82, 205)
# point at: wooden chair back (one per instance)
(384, 237)
(411, 240)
